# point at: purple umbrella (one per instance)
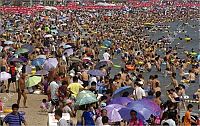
(41, 72)
(16, 60)
(121, 100)
(96, 73)
(50, 64)
(28, 69)
(125, 113)
(112, 112)
(148, 104)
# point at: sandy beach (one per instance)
(32, 114)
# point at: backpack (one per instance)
(13, 71)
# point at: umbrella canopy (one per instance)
(148, 104)
(96, 73)
(125, 114)
(85, 97)
(4, 76)
(42, 56)
(67, 46)
(8, 42)
(22, 50)
(69, 52)
(29, 47)
(112, 112)
(38, 62)
(32, 81)
(107, 43)
(51, 63)
(103, 63)
(16, 60)
(121, 100)
(120, 91)
(41, 72)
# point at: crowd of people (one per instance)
(85, 41)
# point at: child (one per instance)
(44, 105)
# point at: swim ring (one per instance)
(117, 66)
(193, 53)
(7, 110)
(130, 67)
(103, 47)
(187, 39)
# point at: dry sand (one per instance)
(32, 114)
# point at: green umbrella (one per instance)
(22, 50)
(32, 81)
(85, 97)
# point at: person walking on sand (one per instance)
(21, 90)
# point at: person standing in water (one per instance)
(21, 89)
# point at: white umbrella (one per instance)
(41, 56)
(48, 36)
(4, 76)
(8, 42)
(69, 52)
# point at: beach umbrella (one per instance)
(48, 36)
(4, 76)
(85, 97)
(121, 100)
(42, 56)
(32, 81)
(67, 46)
(148, 104)
(103, 63)
(125, 113)
(21, 51)
(69, 52)
(16, 60)
(50, 63)
(38, 62)
(29, 47)
(8, 42)
(96, 73)
(107, 43)
(41, 72)
(112, 112)
(121, 90)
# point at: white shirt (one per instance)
(106, 56)
(62, 122)
(171, 122)
(99, 121)
(139, 92)
(54, 87)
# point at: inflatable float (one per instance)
(7, 110)
(187, 39)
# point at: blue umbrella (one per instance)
(96, 73)
(38, 62)
(121, 100)
(107, 43)
(148, 104)
(120, 91)
(29, 47)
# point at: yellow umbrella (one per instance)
(32, 81)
